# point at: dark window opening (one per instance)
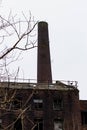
(1, 128)
(58, 104)
(58, 124)
(84, 118)
(17, 103)
(38, 104)
(38, 124)
(18, 125)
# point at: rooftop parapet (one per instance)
(32, 84)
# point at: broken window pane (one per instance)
(38, 103)
(58, 124)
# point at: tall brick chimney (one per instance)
(44, 74)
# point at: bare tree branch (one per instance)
(16, 28)
(15, 36)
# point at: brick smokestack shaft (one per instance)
(44, 74)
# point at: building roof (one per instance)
(58, 85)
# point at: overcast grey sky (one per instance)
(67, 21)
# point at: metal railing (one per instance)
(34, 81)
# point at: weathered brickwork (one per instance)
(42, 104)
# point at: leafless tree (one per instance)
(16, 35)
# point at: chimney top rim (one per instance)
(43, 23)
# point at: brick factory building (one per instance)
(45, 105)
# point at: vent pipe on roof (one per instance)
(44, 74)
